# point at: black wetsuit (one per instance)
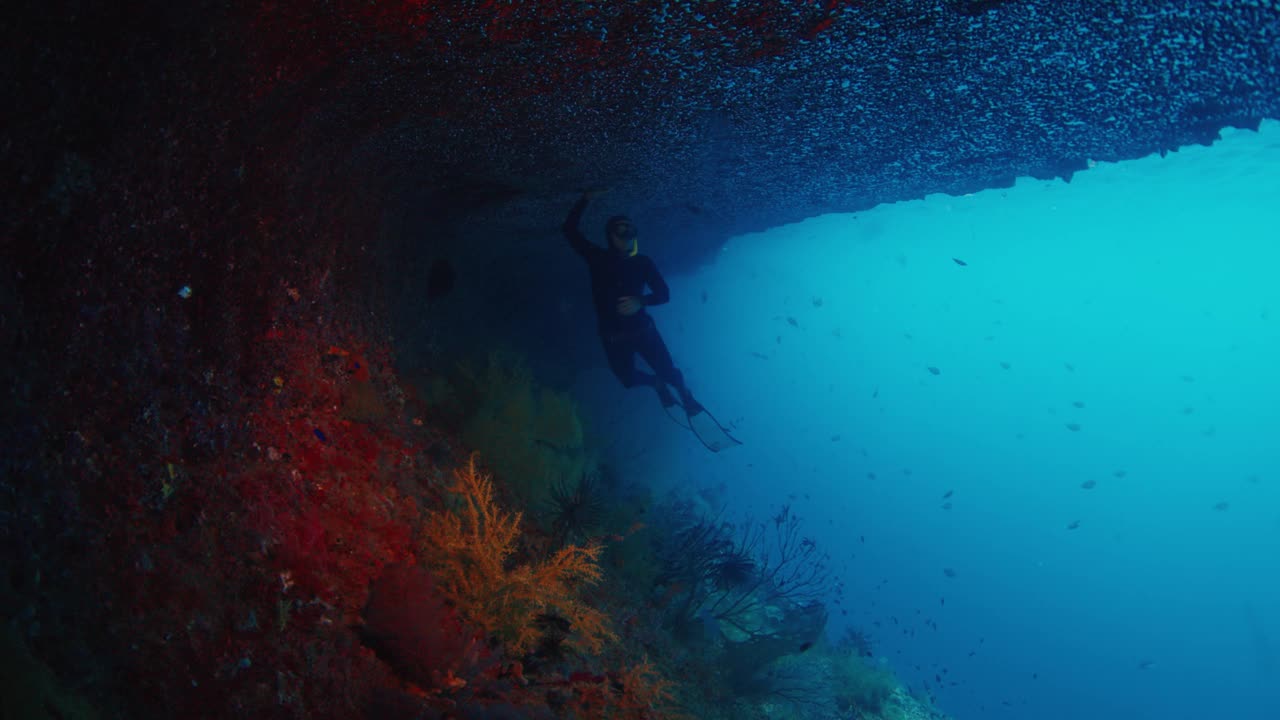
(616, 275)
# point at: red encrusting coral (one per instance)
(238, 578)
(411, 626)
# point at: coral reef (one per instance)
(331, 557)
(861, 684)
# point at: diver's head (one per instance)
(622, 234)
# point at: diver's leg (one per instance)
(622, 361)
(621, 352)
(655, 353)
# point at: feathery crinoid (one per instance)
(575, 509)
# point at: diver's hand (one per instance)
(629, 305)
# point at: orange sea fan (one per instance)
(469, 546)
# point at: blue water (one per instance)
(1146, 291)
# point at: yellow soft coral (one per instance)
(528, 433)
(470, 546)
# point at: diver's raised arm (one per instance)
(572, 232)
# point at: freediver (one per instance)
(619, 274)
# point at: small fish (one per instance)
(1073, 427)
(948, 494)
(1089, 484)
(1222, 506)
(871, 476)
(792, 322)
(1119, 473)
(1074, 524)
(1188, 378)
(758, 355)
(959, 262)
(875, 394)
(320, 435)
(1069, 367)
(934, 370)
(1005, 365)
(1188, 410)
(817, 302)
(704, 297)
(1146, 664)
(1077, 404)
(835, 438)
(946, 506)
(949, 572)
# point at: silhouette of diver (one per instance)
(619, 274)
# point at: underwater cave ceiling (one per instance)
(712, 119)
(475, 124)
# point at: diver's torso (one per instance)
(613, 276)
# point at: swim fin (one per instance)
(705, 427)
(710, 431)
